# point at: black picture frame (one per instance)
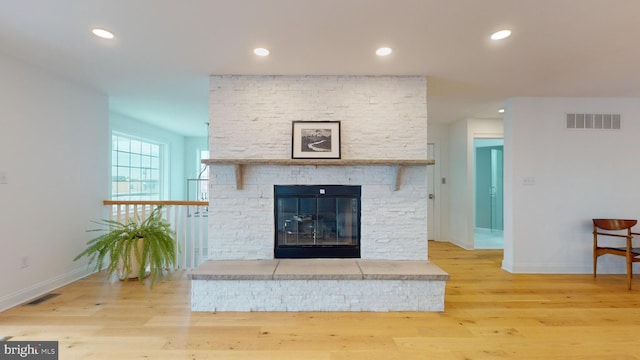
(315, 140)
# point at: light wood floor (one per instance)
(490, 314)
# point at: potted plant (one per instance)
(136, 248)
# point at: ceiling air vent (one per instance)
(593, 121)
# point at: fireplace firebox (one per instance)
(317, 221)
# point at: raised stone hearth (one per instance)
(317, 285)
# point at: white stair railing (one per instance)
(188, 220)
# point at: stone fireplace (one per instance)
(383, 122)
(392, 222)
(383, 155)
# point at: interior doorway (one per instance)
(489, 193)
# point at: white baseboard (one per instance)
(541, 268)
(39, 289)
(464, 246)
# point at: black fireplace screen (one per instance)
(317, 221)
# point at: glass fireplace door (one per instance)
(313, 223)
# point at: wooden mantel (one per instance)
(239, 164)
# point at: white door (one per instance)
(431, 233)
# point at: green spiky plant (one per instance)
(157, 253)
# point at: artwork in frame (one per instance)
(315, 140)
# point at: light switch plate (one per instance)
(529, 180)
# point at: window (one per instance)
(135, 169)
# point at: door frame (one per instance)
(473, 177)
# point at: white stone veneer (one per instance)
(393, 222)
(382, 117)
(317, 295)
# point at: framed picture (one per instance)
(315, 140)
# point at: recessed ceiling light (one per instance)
(501, 111)
(384, 51)
(502, 34)
(261, 51)
(105, 34)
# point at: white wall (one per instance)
(53, 148)
(175, 148)
(458, 167)
(578, 175)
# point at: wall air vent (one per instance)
(593, 121)
(42, 299)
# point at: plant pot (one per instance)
(123, 274)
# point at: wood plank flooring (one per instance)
(490, 314)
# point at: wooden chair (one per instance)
(616, 228)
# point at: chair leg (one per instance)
(595, 250)
(629, 271)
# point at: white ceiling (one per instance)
(156, 69)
